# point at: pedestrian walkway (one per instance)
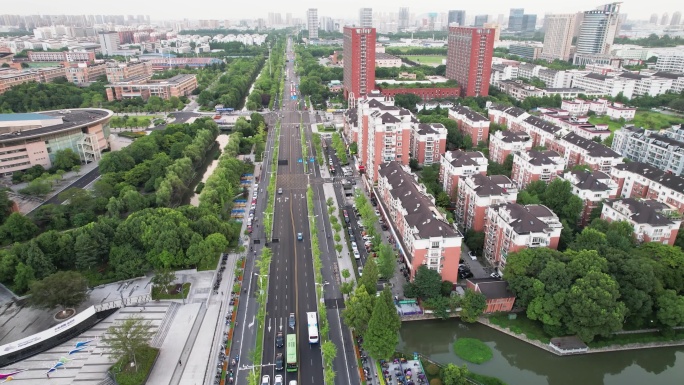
(344, 258)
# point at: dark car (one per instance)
(465, 274)
(291, 321)
(351, 232)
(279, 362)
(280, 340)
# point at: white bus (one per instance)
(312, 322)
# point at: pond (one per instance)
(518, 363)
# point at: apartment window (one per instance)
(435, 245)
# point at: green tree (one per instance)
(387, 262)
(162, 279)
(126, 339)
(65, 160)
(66, 289)
(358, 310)
(395, 320)
(455, 375)
(380, 339)
(428, 283)
(670, 309)
(369, 276)
(23, 278)
(473, 304)
(593, 306)
(475, 241)
(5, 206)
(17, 228)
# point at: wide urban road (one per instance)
(291, 276)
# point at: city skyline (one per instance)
(350, 10)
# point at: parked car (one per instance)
(495, 275)
(465, 274)
(472, 256)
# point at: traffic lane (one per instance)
(81, 182)
(310, 355)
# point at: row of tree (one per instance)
(137, 231)
(268, 83)
(421, 71)
(315, 77)
(232, 87)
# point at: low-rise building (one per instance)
(470, 123)
(593, 187)
(661, 149)
(428, 142)
(652, 221)
(33, 139)
(512, 227)
(426, 236)
(164, 63)
(62, 56)
(10, 77)
(425, 93)
(506, 142)
(640, 180)
(608, 85)
(580, 125)
(84, 73)
(577, 150)
(533, 165)
(498, 295)
(476, 193)
(120, 72)
(385, 60)
(519, 90)
(457, 164)
(179, 85)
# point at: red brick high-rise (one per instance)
(359, 61)
(469, 59)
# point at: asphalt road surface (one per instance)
(291, 277)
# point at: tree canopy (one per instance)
(65, 289)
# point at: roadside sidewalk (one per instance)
(344, 258)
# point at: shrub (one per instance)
(472, 350)
(432, 369)
(435, 381)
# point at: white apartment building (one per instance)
(671, 62)
(652, 221)
(506, 142)
(606, 85)
(532, 165)
(661, 149)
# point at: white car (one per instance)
(357, 255)
(367, 238)
(278, 380)
(472, 256)
(354, 245)
(266, 380)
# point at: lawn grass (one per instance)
(646, 119)
(132, 135)
(157, 293)
(472, 350)
(521, 325)
(129, 375)
(426, 59)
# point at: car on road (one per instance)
(354, 245)
(351, 232)
(278, 380)
(495, 275)
(472, 256)
(377, 212)
(360, 270)
(279, 362)
(291, 321)
(357, 255)
(266, 380)
(299, 236)
(280, 190)
(293, 382)
(280, 340)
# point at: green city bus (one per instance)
(291, 346)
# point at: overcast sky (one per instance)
(232, 9)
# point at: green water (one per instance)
(518, 363)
